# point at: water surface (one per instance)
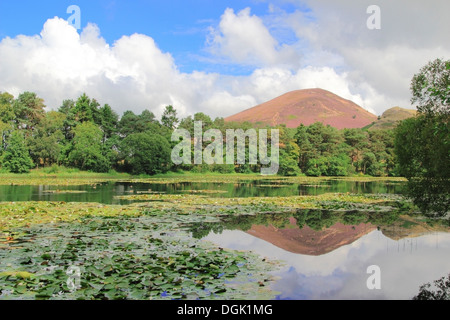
(105, 192)
(405, 265)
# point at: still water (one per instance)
(341, 273)
(105, 192)
(317, 264)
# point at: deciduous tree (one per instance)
(16, 158)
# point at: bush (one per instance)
(146, 153)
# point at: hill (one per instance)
(391, 117)
(307, 107)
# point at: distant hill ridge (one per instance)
(307, 107)
(391, 117)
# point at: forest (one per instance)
(85, 135)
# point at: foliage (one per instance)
(16, 158)
(108, 122)
(45, 144)
(146, 153)
(440, 290)
(289, 157)
(431, 88)
(169, 118)
(124, 253)
(28, 109)
(422, 144)
(314, 150)
(86, 152)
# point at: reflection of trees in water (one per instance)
(431, 195)
(313, 218)
(439, 291)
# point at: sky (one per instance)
(218, 57)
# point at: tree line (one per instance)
(85, 135)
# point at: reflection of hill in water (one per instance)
(308, 241)
(319, 231)
(408, 227)
(317, 242)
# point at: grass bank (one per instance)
(57, 175)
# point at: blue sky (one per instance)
(218, 56)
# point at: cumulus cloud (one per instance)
(243, 38)
(60, 64)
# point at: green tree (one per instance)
(109, 121)
(127, 123)
(6, 107)
(16, 158)
(206, 120)
(187, 124)
(382, 145)
(5, 128)
(146, 121)
(146, 153)
(28, 110)
(86, 110)
(86, 152)
(47, 140)
(131, 123)
(7, 117)
(357, 141)
(370, 164)
(338, 166)
(67, 108)
(289, 153)
(318, 145)
(317, 166)
(431, 88)
(306, 151)
(440, 290)
(169, 118)
(422, 144)
(289, 160)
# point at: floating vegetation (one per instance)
(150, 249)
(273, 185)
(146, 257)
(317, 185)
(22, 214)
(371, 179)
(205, 191)
(291, 202)
(148, 192)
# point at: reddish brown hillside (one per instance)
(307, 106)
(308, 241)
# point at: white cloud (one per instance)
(243, 38)
(133, 73)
